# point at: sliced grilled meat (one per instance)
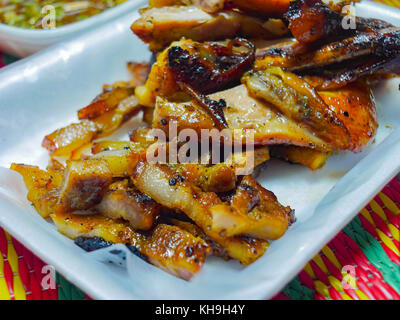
(161, 26)
(242, 112)
(311, 21)
(298, 100)
(204, 67)
(338, 63)
(206, 209)
(170, 248)
(124, 202)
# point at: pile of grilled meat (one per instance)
(288, 71)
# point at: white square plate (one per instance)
(43, 92)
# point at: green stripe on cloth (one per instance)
(374, 252)
(7, 59)
(67, 291)
(295, 290)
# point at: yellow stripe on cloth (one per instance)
(339, 287)
(19, 291)
(309, 270)
(8, 236)
(394, 231)
(389, 204)
(322, 289)
(377, 209)
(364, 212)
(362, 295)
(386, 240)
(12, 257)
(320, 263)
(331, 256)
(18, 287)
(4, 293)
(1, 266)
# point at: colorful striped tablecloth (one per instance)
(362, 262)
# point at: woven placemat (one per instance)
(362, 262)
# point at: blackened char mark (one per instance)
(136, 252)
(220, 68)
(189, 69)
(92, 244)
(212, 107)
(338, 75)
(371, 24)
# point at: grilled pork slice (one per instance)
(63, 142)
(168, 247)
(124, 202)
(257, 203)
(253, 200)
(312, 21)
(245, 249)
(37, 181)
(340, 62)
(212, 171)
(338, 75)
(161, 26)
(206, 209)
(217, 250)
(354, 105)
(241, 112)
(115, 93)
(85, 183)
(383, 43)
(242, 248)
(206, 5)
(345, 118)
(43, 186)
(311, 158)
(216, 178)
(221, 177)
(264, 8)
(210, 5)
(205, 67)
(106, 101)
(122, 162)
(299, 101)
(166, 3)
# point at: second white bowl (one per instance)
(21, 42)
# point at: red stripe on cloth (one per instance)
(3, 244)
(321, 275)
(306, 280)
(280, 296)
(2, 64)
(318, 296)
(395, 184)
(36, 289)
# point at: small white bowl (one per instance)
(24, 42)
